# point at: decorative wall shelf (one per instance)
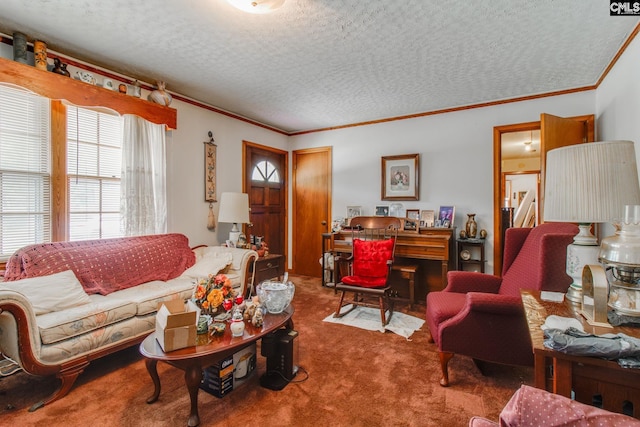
(58, 87)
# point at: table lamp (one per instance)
(234, 208)
(585, 184)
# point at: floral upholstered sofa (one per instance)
(64, 304)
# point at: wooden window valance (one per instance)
(57, 87)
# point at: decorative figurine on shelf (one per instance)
(237, 324)
(160, 95)
(251, 307)
(257, 320)
(136, 89)
(40, 55)
(60, 68)
(483, 234)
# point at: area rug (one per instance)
(369, 319)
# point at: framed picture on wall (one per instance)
(446, 215)
(400, 177)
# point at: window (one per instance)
(94, 158)
(265, 171)
(25, 174)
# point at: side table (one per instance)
(268, 267)
(471, 255)
(594, 381)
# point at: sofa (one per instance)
(65, 304)
(533, 407)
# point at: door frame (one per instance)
(285, 187)
(588, 119)
(294, 155)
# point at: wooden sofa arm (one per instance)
(19, 335)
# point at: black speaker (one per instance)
(281, 350)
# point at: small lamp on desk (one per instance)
(234, 208)
(585, 184)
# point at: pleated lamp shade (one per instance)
(591, 182)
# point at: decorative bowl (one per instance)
(275, 296)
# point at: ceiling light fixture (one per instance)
(256, 6)
(527, 146)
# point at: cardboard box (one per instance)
(226, 375)
(176, 324)
(218, 379)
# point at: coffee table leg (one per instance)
(153, 372)
(193, 377)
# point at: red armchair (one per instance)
(481, 315)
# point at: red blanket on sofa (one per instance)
(106, 265)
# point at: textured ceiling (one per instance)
(323, 63)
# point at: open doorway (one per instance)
(553, 132)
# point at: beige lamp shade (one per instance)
(591, 182)
(234, 208)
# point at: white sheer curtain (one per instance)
(143, 185)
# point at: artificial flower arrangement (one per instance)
(212, 292)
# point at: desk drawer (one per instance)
(269, 267)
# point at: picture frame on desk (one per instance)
(382, 210)
(400, 177)
(446, 216)
(353, 211)
(427, 218)
(408, 225)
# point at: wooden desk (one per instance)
(594, 381)
(429, 245)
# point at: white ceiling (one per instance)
(315, 64)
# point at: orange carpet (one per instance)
(355, 378)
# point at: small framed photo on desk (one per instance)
(446, 216)
(382, 210)
(427, 218)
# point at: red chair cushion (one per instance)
(370, 267)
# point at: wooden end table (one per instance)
(268, 267)
(208, 351)
(593, 380)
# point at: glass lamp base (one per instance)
(574, 294)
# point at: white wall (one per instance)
(618, 105)
(185, 165)
(456, 156)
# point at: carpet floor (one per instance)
(349, 377)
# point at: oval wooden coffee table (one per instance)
(208, 351)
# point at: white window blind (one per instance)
(25, 174)
(94, 158)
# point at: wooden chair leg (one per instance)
(382, 311)
(337, 313)
(445, 357)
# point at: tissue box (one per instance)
(176, 324)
